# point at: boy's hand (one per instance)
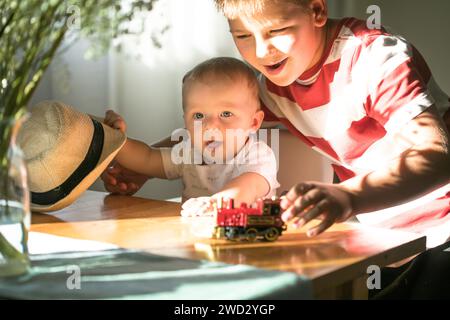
(119, 180)
(313, 200)
(115, 121)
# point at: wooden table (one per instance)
(336, 261)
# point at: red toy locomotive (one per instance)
(247, 223)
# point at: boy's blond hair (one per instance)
(221, 69)
(235, 8)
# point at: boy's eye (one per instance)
(278, 30)
(226, 114)
(198, 116)
(243, 36)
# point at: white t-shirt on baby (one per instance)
(205, 180)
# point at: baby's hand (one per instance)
(115, 121)
(196, 207)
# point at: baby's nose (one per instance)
(211, 124)
(212, 130)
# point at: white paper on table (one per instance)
(43, 243)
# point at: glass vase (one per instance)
(14, 202)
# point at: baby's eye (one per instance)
(198, 116)
(226, 114)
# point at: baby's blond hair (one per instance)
(221, 69)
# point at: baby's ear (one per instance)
(258, 118)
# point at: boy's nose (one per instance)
(263, 48)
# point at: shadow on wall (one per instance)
(298, 163)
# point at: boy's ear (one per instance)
(258, 118)
(319, 11)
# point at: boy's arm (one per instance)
(141, 158)
(423, 167)
(247, 187)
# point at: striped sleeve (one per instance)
(398, 82)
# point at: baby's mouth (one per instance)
(212, 145)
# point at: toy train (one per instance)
(249, 223)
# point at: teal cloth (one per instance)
(126, 274)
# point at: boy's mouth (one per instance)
(276, 68)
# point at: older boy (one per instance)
(220, 156)
(363, 98)
(367, 100)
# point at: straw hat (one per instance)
(65, 151)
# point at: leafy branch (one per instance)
(31, 35)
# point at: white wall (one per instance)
(147, 92)
(76, 81)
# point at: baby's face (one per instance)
(220, 116)
(282, 42)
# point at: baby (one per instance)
(219, 156)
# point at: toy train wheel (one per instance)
(251, 234)
(231, 233)
(271, 234)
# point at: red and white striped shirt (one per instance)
(368, 84)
